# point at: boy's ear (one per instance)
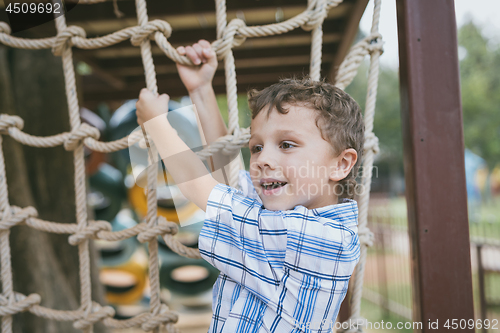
(343, 164)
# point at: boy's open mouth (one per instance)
(272, 185)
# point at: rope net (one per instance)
(229, 35)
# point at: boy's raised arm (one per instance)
(189, 173)
(198, 82)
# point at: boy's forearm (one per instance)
(212, 128)
(211, 120)
(187, 170)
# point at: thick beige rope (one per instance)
(141, 39)
(228, 35)
(372, 45)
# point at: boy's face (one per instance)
(291, 164)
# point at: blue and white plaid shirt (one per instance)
(281, 271)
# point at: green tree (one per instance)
(480, 84)
(386, 123)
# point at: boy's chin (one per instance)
(276, 205)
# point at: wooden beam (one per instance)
(349, 34)
(244, 59)
(92, 99)
(172, 80)
(127, 51)
(99, 19)
(254, 64)
(186, 21)
(332, 30)
(172, 85)
(158, 8)
(431, 115)
(110, 78)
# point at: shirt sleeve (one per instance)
(243, 240)
(288, 259)
(246, 186)
(318, 265)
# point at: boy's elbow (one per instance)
(198, 190)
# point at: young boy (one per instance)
(286, 244)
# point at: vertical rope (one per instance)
(220, 16)
(5, 259)
(317, 42)
(151, 216)
(231, 88)
(79, 162)
(316, 52)
(367, 166)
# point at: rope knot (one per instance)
(5, 28)
(7, 121)
(97, 314)
(89, 231)
(232, 145)
(163, 227)
(77, 135)
(230, 37)
(164, 317)
(317, 15)
(63, 38)
(13, 215)
(150, 28)
(366, 237)
(21, 304)
(375, 43)
(371, 143)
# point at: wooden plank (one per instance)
(175, 88)
(244, 57)
(331, 28)
(273, 66)
(434, 163)
(256, 16)
(104, 11)
(125, 50)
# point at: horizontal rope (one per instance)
(233, 35)
(88, 135)
(349, 67)
(105, 314)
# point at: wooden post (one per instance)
(433, 142)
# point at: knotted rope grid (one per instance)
(229, 35)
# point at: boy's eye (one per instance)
(286, 145)
(255, 149)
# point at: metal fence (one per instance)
(388, 279)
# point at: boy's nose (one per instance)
(266, 159)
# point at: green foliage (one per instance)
(245, 117)
(480, 84)
(386, 123)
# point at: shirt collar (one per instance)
(346, 208)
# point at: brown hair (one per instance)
(339, 116)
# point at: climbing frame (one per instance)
(229, 35)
